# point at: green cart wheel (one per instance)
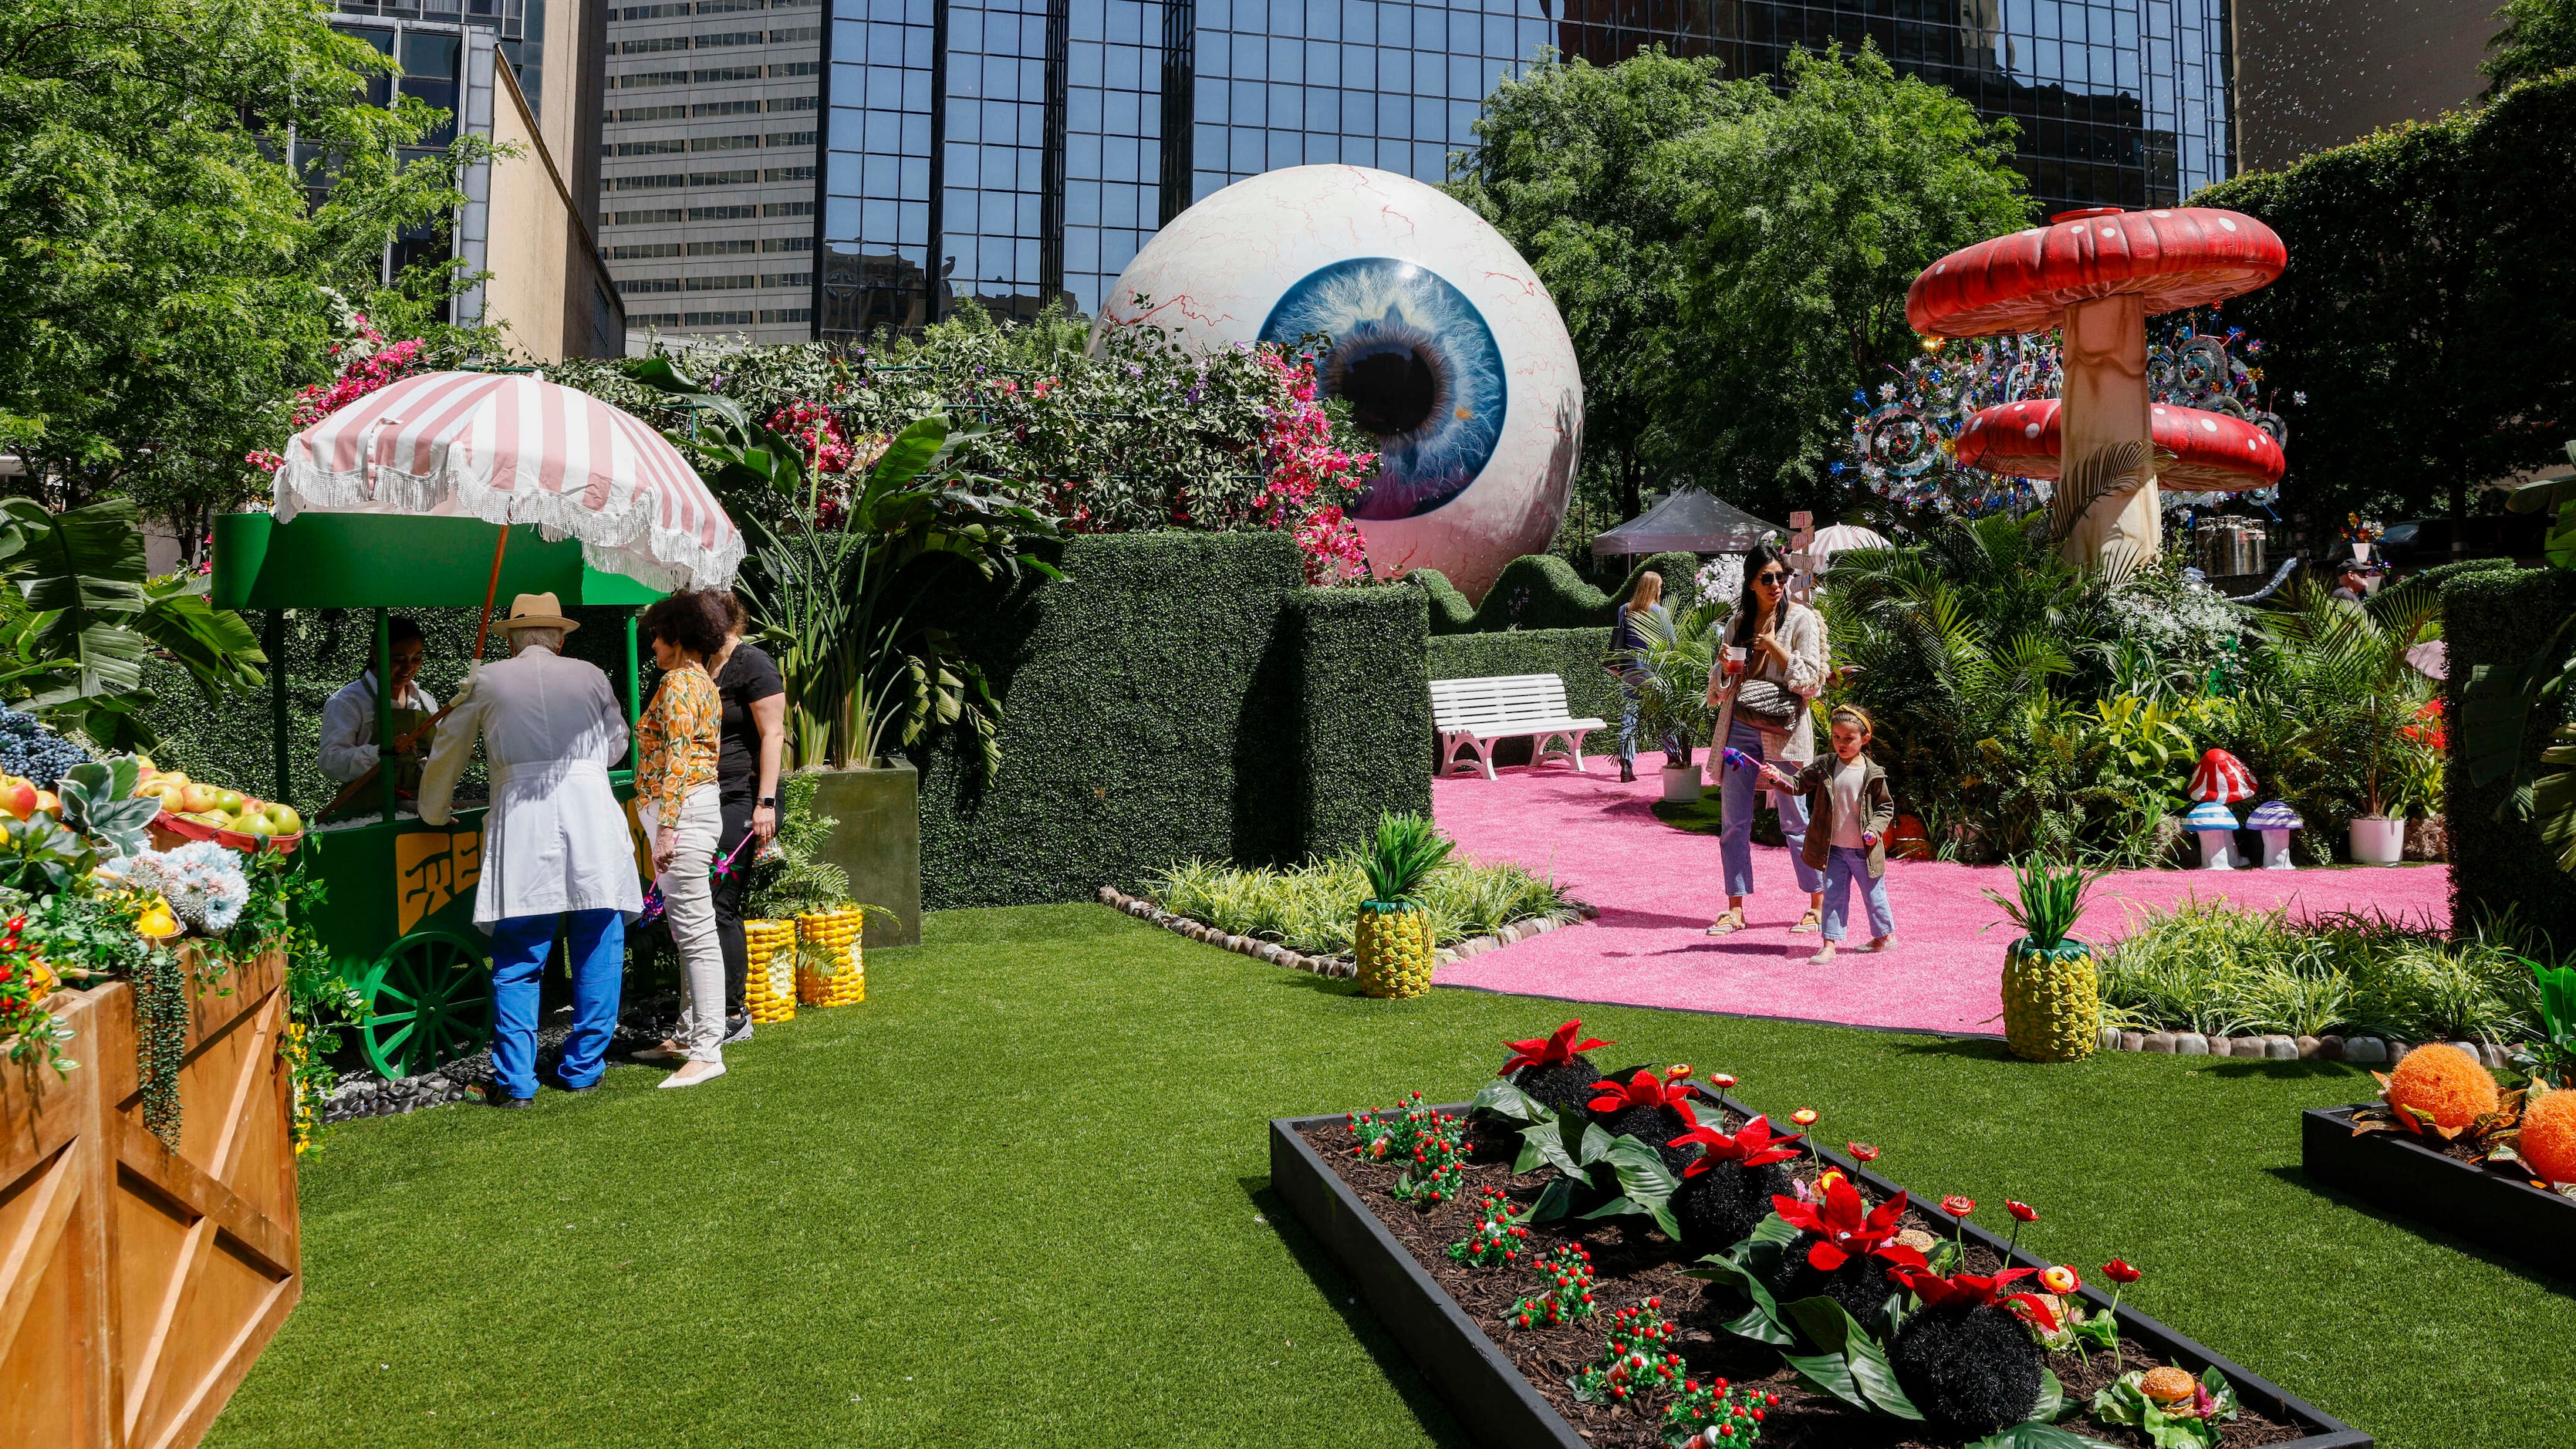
(429, 1001)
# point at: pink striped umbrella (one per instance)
(509, 448)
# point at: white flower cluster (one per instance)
(2181, 624)
(202, 881)
(1722, 577)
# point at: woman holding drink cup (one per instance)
(1772, 664)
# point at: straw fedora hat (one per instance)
(538, 611)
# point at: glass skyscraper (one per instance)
(1010, 151)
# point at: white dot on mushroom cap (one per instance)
(2162, 213)
(2225, 223)
(2031, 431)
(1975, 423)
(1936, 271)
(2209, 425)
(2110, 231)
(2160, 412)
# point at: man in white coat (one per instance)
(555, 844)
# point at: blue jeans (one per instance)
(519, 947)
(1735, 845)
(1675, 752)
(1845, 867)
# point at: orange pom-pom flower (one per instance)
(2442, 1085)
(2548, 1140)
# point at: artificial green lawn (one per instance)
(1019, 1198)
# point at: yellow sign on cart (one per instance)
(431, 868)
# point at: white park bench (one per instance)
(1471, 714)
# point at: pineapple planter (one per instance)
(2052, 1001)
(1392, 941)
(1393, 945)
(2052, 994)
(769, 985)
(829, 971)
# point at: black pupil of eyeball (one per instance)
(1390, 389)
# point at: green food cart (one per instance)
(398, 913)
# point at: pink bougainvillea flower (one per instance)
(1843, 1229)
(1752, 1145)
(1552, 1050)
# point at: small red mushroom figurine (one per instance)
(2099, 274)
(2222, 778)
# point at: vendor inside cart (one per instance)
(349, 747)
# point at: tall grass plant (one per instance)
(1310, 908)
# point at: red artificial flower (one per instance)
(1957, 1206)
(1677, 1071)
(1843, 1230)
(1553, 1050)
(1721, 1080)
(1642, 1090)
(2120, 1272)
(2022, 1212)
(1804, 1116)
(1753, 1146)
(1968, 1288)
(2061, 1280)
(1861, 1151)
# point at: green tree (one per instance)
(1560, 169)
(2539, 36)
(2429, 309)
(1807, 217)
(166, 280)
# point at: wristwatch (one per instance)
(766, 802)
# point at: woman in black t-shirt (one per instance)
(747, 764)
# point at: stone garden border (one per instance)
(2359, 1050)
(1278, 955)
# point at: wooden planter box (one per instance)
(137, 1284)
(2394, 1171)
(1485, 1390)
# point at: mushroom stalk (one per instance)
(2105, 407)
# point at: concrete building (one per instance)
(526, 75)
(2314, 74)
(1017, 150)
(706, 199)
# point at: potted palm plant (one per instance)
(839, 568)
(2347, 676)
(1668, 674)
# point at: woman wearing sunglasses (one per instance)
(1772, 664)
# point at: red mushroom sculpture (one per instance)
(2098, 274)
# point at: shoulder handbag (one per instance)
(1766, 705)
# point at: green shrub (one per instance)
(2498, 860)
(1311, 908)
(1542, 591)
(1572, 655)
(2212, 968)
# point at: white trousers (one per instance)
(688, 904)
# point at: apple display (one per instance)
(198, 799)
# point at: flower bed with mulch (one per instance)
(1526, 1356)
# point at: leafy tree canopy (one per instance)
(2429, 309)
(2539, 36)
(165, 280)
(1731, 257)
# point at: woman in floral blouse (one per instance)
(675, 783)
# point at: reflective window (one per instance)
(1013, 150)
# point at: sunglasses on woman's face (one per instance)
(1771, 576)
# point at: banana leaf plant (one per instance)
(842, 603)
(82, 615)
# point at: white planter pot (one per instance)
(2377, 841)
(1682, 783)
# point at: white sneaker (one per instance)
(681, 1078)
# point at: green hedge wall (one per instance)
(1542, 591)
(1182, 695)
(1573, 655)
(2499, 616)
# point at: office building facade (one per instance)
(706, 200)
(1012, 151)
(525, 75)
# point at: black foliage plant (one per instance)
(1721, 1206)
(1971, 1369)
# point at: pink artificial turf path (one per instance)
(1658, 887)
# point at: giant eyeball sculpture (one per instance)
(1444, 342)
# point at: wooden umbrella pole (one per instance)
(482, 632)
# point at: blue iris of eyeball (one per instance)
(1442, 340)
